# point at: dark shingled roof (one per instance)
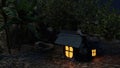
(69, 38)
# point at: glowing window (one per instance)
(93, 52)
(69, 51)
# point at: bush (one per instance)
(88, 15)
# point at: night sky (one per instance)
(115, 3)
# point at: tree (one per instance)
(3, 4)
(18, 19)
(90, 16)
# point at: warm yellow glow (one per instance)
(69, 52)
(93, 52)
(66, 48)
(71, 49)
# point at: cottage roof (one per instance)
(69, 38)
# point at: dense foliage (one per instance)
(90, 16)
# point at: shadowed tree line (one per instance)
(27, 21)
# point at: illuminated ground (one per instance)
(55, 59)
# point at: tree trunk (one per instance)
(6, 26)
